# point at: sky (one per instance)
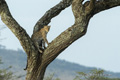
(98, 48)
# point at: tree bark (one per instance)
(38, 62)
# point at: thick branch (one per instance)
(77, 6)
(105, 4)
(45, 20)
(63, 41)
(18, 31)
(68, 36)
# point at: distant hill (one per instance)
(63, 69)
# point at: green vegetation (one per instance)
(5, 74)
(51, 77)
(94, 75)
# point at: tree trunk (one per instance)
(37, 73)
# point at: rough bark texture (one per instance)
(38, 62)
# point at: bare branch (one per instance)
(45, 20)
(105, 4)
(18, 31)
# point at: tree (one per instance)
(83, 12)
(94, 75)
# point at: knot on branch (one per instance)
(89, 6)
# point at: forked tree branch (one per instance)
(70, 35)
(77, 30)
(18, 31)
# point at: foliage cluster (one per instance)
(6, 74)
(94, 75)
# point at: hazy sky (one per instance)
(98, 48)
